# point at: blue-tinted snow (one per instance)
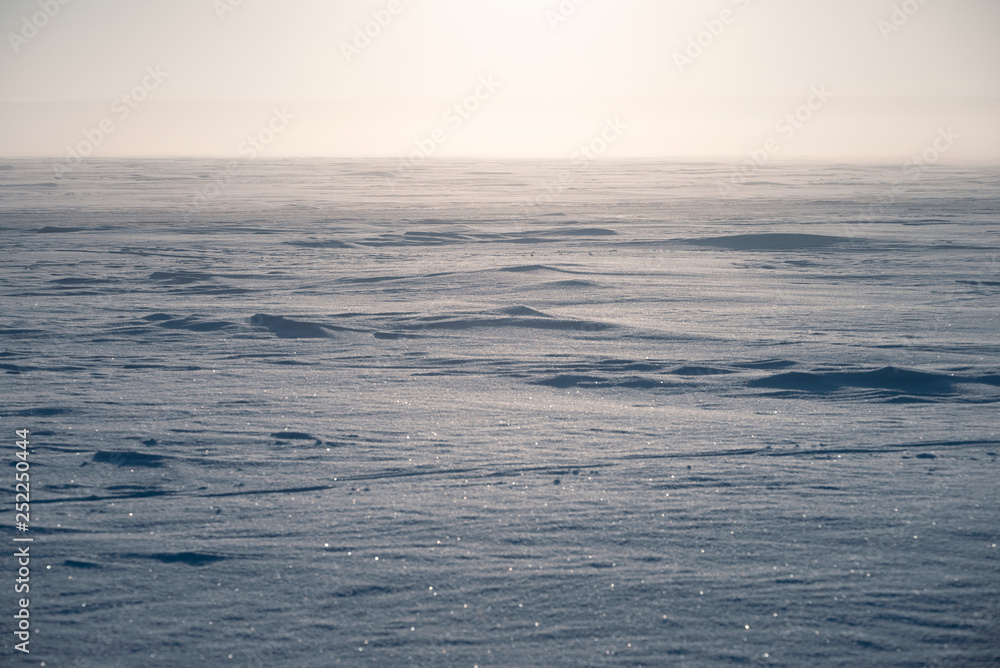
(310, 415)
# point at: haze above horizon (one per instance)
(781, 79)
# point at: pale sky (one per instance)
(211, 73)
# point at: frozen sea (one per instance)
(317, 413)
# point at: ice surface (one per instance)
(325, 418)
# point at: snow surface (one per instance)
(303, 413)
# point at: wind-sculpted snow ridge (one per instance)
(318, 243)
(194, 324)
(548, 235)
(775, 241)
(73, 282)
(888, 383)
(518, 317)
(595, 382)
(144, 459)
(180, 277)
(700, 370)
(288, 328)
(284, 328)
(186, 558)
(59, 229)
(193, 282)
(528, 268)
(148, 324)
(293, 436)
(569, 284)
